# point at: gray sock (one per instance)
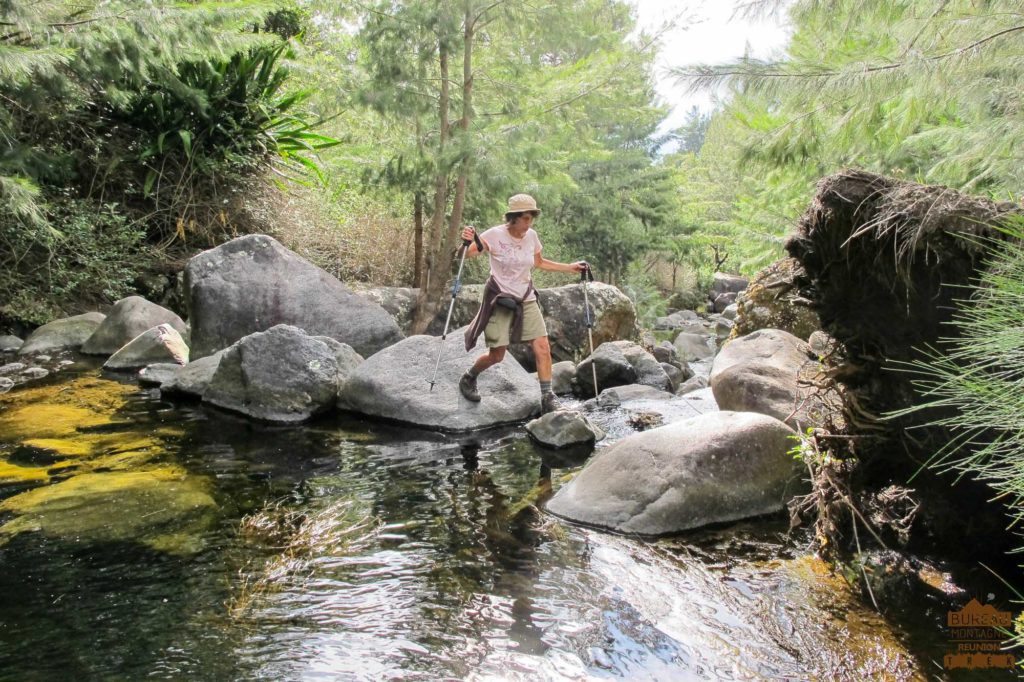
(472, 373)
(545, 387)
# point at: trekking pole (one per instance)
(456, 285)
(586, 275)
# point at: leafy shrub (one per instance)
(94, 259)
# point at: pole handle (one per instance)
(475, 240)
(586, 274)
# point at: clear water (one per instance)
(209, 547)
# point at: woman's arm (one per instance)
(545, 264)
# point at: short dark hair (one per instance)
(513, 215)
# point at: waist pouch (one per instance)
(507, 302)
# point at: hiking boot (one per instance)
(548, 403)
(467, 386)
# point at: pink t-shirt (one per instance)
(512, 259)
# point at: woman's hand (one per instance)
(467, 233)
(580, 266)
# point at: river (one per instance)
(141, 538)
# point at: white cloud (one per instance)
(705, 32)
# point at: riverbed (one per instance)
(141, 538)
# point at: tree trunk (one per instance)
(435, 272)
(417, 222)
(465, 142)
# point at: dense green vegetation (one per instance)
(364, 135)
(131, 128)
(922, 90)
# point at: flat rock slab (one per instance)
(394, 384)
(714, 468)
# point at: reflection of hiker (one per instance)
(509, 312)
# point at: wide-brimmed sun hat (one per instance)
(521, 203)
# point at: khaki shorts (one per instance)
(496, 334)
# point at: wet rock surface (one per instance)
(563, 429)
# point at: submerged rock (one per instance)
(253, 283)
(129, 318)
(113, 506)
(65, 333)
(394, 384)
(714, 468)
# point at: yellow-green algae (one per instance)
(148, 506)
(103, 484)
(62, 419)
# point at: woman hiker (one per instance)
(509, 312)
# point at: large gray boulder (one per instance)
(400, 302)
(614, 318)
(129, 318)
(718, 467)
(160, 344)
(394, 384)
(253, 283)
(768, 371)
(620, 363)
(280, 375)
(67, 333)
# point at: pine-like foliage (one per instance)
(978, 382)
(927, 89)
